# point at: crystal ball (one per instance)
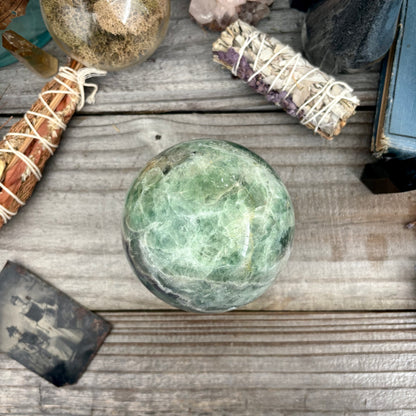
(105, 34)
(207, 225)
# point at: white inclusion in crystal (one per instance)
(246, 238)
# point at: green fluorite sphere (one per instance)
(207, 225)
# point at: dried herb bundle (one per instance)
(275, 70)
(33, 139)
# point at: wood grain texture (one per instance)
(180, 76)
(351, 250)
(344, 364)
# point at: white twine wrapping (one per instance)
(317, 108)
(310, 115)
(79, 78)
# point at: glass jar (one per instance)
(107, 34)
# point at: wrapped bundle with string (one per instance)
(30, 142)
(285, 78)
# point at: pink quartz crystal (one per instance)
(218, 14)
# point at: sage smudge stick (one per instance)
(32, 140)
(285, 78)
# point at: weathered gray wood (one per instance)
(235, 364)
(180, 76)
(351, 249)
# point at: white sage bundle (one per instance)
(285, 78)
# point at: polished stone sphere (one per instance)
(207, 225)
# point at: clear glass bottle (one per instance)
(30, 26)
(107, 34)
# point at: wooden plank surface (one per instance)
(342, 364)
(351, 252)
(351, 249)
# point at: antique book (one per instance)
(395, 120)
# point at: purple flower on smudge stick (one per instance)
(245, 71)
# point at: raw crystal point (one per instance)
(29, 54)
(207, 225)
(218, 14)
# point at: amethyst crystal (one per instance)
(244, 72)
(218, 14)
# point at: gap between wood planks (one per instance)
(253, 312)
(13, 117)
